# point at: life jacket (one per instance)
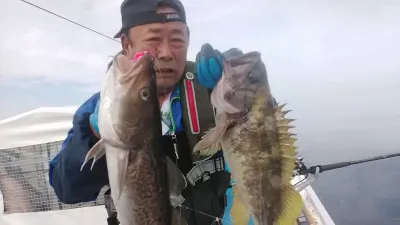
(197, 111)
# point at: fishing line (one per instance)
(73, 22)
(217, 219)
(305, 177)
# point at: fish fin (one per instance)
(279, 112)
(121, 172)
(288, 151)
(287, 162)
(239, 213)
(95, 153)
(287, 141)
(292, 205)
(100, 154)
(177, 218)
(209, 143)
(176, 180)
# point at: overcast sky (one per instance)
(336, 63)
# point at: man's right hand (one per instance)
(93, 118)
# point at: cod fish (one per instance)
(259, 149)
(141, 177)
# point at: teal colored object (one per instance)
(226, 219)
(93, 118)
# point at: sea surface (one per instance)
(344, 123)
(365, 194)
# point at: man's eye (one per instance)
(177, 40)
(155, 39)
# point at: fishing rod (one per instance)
(303, 170)
(305, 176)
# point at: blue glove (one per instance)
(209, 66)
(93, 118)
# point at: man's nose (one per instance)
(164, 51)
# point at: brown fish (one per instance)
(258, 147)
(130, 129)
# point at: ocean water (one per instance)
(341, 124)
(368, 193)
(365, 194)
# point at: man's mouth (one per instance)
(164, 70)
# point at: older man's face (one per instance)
(168, 42)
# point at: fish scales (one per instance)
(129, 123)
(257, 146)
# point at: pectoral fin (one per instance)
(95, 153)
(209, 144)
(177, 218)
(122, 170)
(176, 180)
(117, 165)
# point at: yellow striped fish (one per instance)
(258, 147)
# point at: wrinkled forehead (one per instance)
(170, 28)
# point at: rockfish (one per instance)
(141, 176)
(259, 149)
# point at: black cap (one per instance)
(139, 12)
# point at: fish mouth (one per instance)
(126, 66)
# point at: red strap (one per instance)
(192, 107)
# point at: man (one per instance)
(160, 28)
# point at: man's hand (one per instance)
(93, 118)
(209, 64)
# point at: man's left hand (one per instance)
(209, 66)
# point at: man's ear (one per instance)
(126, 46)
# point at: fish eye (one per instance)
(144, 94)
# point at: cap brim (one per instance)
(118, 35)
